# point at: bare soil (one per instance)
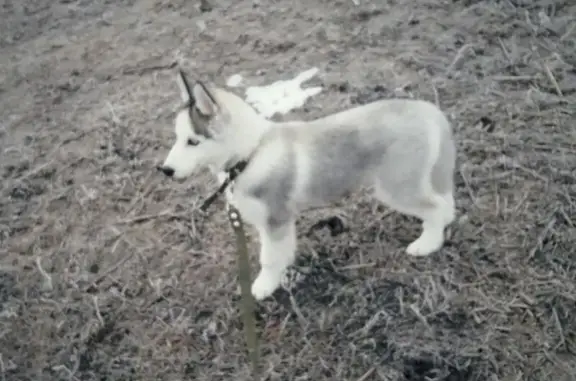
(109, 273)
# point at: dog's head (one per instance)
(200, 126)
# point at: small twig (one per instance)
(48, 279)
(513, 78)
(399, 294)
(34, 171)
(513, 163)
(419, 315)
(2, 368)
(141, 192)
(356, 267)
(115, 118)
(559, 328)
(543, 235)
(436, 96)
(68, 371)
(568, 32)
(469, 188)
(504, 50)
(458, 57)
(298, 312)
(97, 309)
(553, 80)
(146, 217)
(115, 266)
(566, 217)
(147, 69)
(365, 376)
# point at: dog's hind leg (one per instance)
(434, 213)
(450, 208)
(434, 210)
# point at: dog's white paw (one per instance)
(265, 285)
(425, 245)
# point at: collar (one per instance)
(232, 172)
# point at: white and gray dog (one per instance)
(402, 148)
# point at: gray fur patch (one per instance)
(276, 192)
(200, 122)
(341, 164)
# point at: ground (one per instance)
(108, 272)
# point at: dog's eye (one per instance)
(193, 142)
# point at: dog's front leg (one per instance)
(277, 252)
(277, 240)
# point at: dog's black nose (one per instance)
(167, 171)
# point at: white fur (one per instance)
(390, 133)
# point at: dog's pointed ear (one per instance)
(185, 89)
(205, 101)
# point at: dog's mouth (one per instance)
(171, 173)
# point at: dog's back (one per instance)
(391, 143)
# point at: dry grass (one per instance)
(107, 273)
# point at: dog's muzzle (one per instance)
(166, 170)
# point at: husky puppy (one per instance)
(403, 149)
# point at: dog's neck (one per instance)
(246, 139)
(243, 147)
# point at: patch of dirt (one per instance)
(108, 274)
